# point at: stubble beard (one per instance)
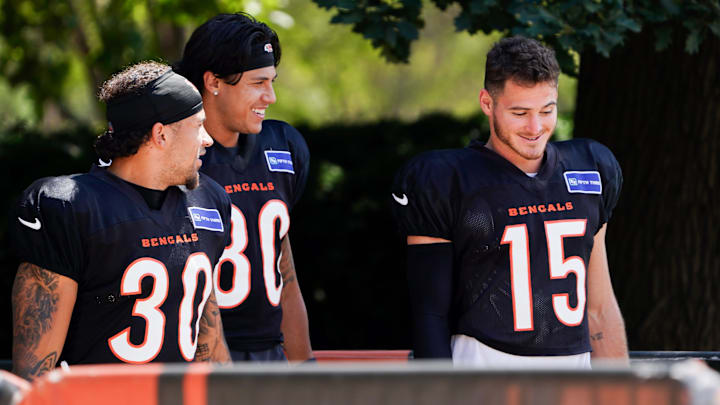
(192, 181)
(191, 178)
(507, 141)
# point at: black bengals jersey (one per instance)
(264, 178)
(143, 275)
(521, 244)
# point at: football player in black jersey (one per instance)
(506, 239)
(263, 166)
(117, 263)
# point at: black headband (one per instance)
(261, 56)
(167, 99)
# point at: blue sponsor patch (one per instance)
(279, 161)
(204, 218)
(583, 182)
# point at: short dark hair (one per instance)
(223, 45)
(133, 79)
(522, 60)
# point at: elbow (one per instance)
(601, 315)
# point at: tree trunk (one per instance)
(659, 112)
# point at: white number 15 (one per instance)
(560, 267)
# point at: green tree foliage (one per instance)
(570, 26)
(53, 58)
(328, 74)
(59, 52)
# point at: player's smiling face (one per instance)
(242, 106)
(189, 142)
(522, 119)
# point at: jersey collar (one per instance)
(217, 153)
(546, 169)
(163, 216)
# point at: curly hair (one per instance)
(112, 144)
(522, 60)
(223, 45)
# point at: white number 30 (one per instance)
(149, 308)
(272, 211)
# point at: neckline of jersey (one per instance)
(545, 171)
(162, 216)
(244, 154)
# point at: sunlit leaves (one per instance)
(42, 39)
(569, 25)
(390, 25)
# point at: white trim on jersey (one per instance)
(468, 351)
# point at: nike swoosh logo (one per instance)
(401, 201)
(103, 163)
(32, 225)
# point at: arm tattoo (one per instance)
(597, 336)
(202, 353)
(34, 298)
(208, 321)
(44, 365)
(34, 302)
(29, 367)
(209, 337)
(287, 263)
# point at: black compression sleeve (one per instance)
(430, 287)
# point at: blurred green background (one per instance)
(56, 54)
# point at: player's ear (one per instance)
(158, 135)
(486, 102)
(211, 83)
